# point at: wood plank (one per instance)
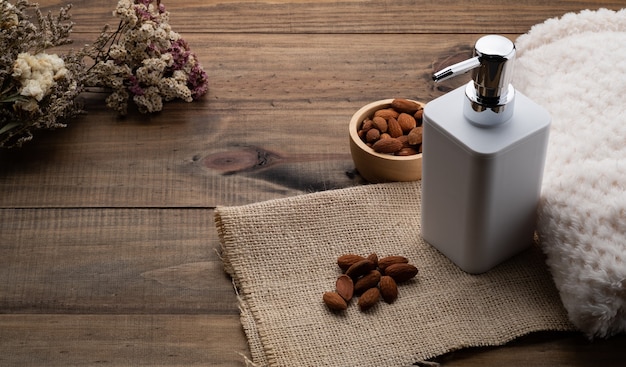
(121, 340)
(188, 340)
(340, 17)
(112, 262)
(549, 349)
(267, 128)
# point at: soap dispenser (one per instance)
(484, 148)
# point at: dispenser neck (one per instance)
(492, 76)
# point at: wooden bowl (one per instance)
(377, 167)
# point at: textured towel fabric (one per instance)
(575, 66)
(282, 256)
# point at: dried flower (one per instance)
(144, 60)
(38, 90)
(37, 73)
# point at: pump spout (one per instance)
(456, 69)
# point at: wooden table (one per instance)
(107, 242)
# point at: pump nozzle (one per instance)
(456, 69)
(490, 90)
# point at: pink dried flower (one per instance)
(134, 86)
(142, 13)
(198, 82)
(180, 52)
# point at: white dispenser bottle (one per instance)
(483, 157)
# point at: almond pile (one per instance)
(395, 130)
(370, 279)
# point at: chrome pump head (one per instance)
(490, 95)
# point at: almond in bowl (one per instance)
(385, 140)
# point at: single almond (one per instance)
(418, 116)
(372, 135)
(380, 123)
(345, 287)
(404, 139)
(389, 145)
(388, 289)
(369, 299)
(415, 136)
(362, 133)
(393, 128)
(407, 122)
(334, 301)
(389, 260)
(367, 124)
(366, 282)
(373, 258)
(360, 268)
(386, 113)
(406, 151)
(347, 260)
(404, 105)
(401, 272)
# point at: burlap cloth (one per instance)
(282, 255)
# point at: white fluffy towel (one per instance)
(575, 66)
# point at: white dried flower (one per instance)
(168, 59)
(150, 101)
(126, 11)
(180, 76)
(37, 73)
(151, 71)
(117, 100)
(171, 89)
(117, 52)
(148, 29)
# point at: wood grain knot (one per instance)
(243, 160)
